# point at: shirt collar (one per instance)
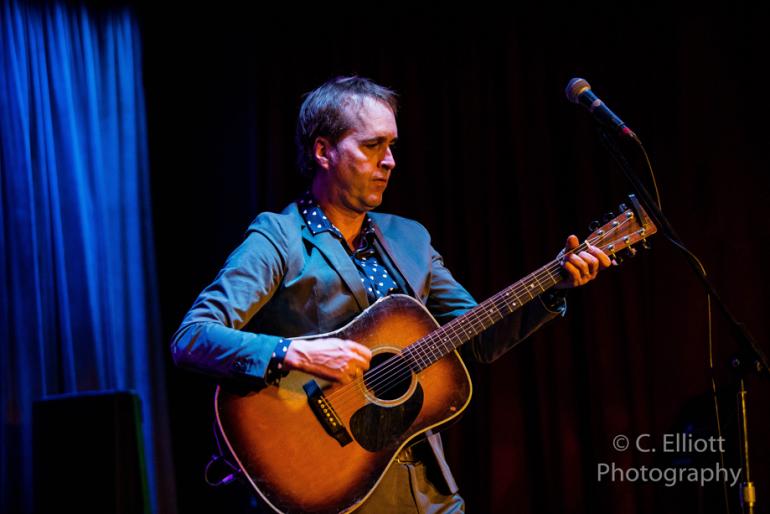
(317, 222)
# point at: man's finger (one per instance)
(580, 264)
(604, 261)
(574, 273)
(593, 262)
(360, 349)
(359, 362)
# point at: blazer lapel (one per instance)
(338, 258)
(397, 256)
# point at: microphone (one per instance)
(579, 91)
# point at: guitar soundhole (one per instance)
(388, 377)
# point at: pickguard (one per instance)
(376, 427)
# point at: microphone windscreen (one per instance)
(574, 88)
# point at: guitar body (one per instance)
(289, 455)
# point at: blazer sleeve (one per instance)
(448, 299)
(210, 339)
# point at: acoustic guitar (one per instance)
(316, 446)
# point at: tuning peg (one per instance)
(631, 251)
(646, 244)
(608, 216)
(594, 225)
(622, 207)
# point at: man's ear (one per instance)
(323, 152)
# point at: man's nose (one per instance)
(388, 161)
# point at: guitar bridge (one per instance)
(326, 414)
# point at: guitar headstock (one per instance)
(620, 233)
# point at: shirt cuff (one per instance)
(275, 368)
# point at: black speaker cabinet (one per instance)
(88, 454)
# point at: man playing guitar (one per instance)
(313, 268)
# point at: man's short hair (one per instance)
(326, 112)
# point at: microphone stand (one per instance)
(750, 357)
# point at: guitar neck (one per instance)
(444, 340)
(631, 226)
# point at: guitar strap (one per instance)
(395, 273)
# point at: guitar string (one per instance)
(402, 372)
(423, 351)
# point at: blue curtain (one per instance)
(78, 297)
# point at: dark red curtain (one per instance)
(501, 168)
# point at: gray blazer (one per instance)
(283, 281)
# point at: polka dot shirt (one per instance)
(376, 279)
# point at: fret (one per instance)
(505, 302)
(446, 342)
(555, 279)
(528, 288)
(425, 355)
(484, 324)
(439, 347)
(481, 315)
(410, 355)
(488, 311)
(431, 353)
(542, 290)
(448, 339)
(461, 324)
(452, 332)
(521, 302)
(417, 357)
(509, 303)
(516, 300)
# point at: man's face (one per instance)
(361, 161)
